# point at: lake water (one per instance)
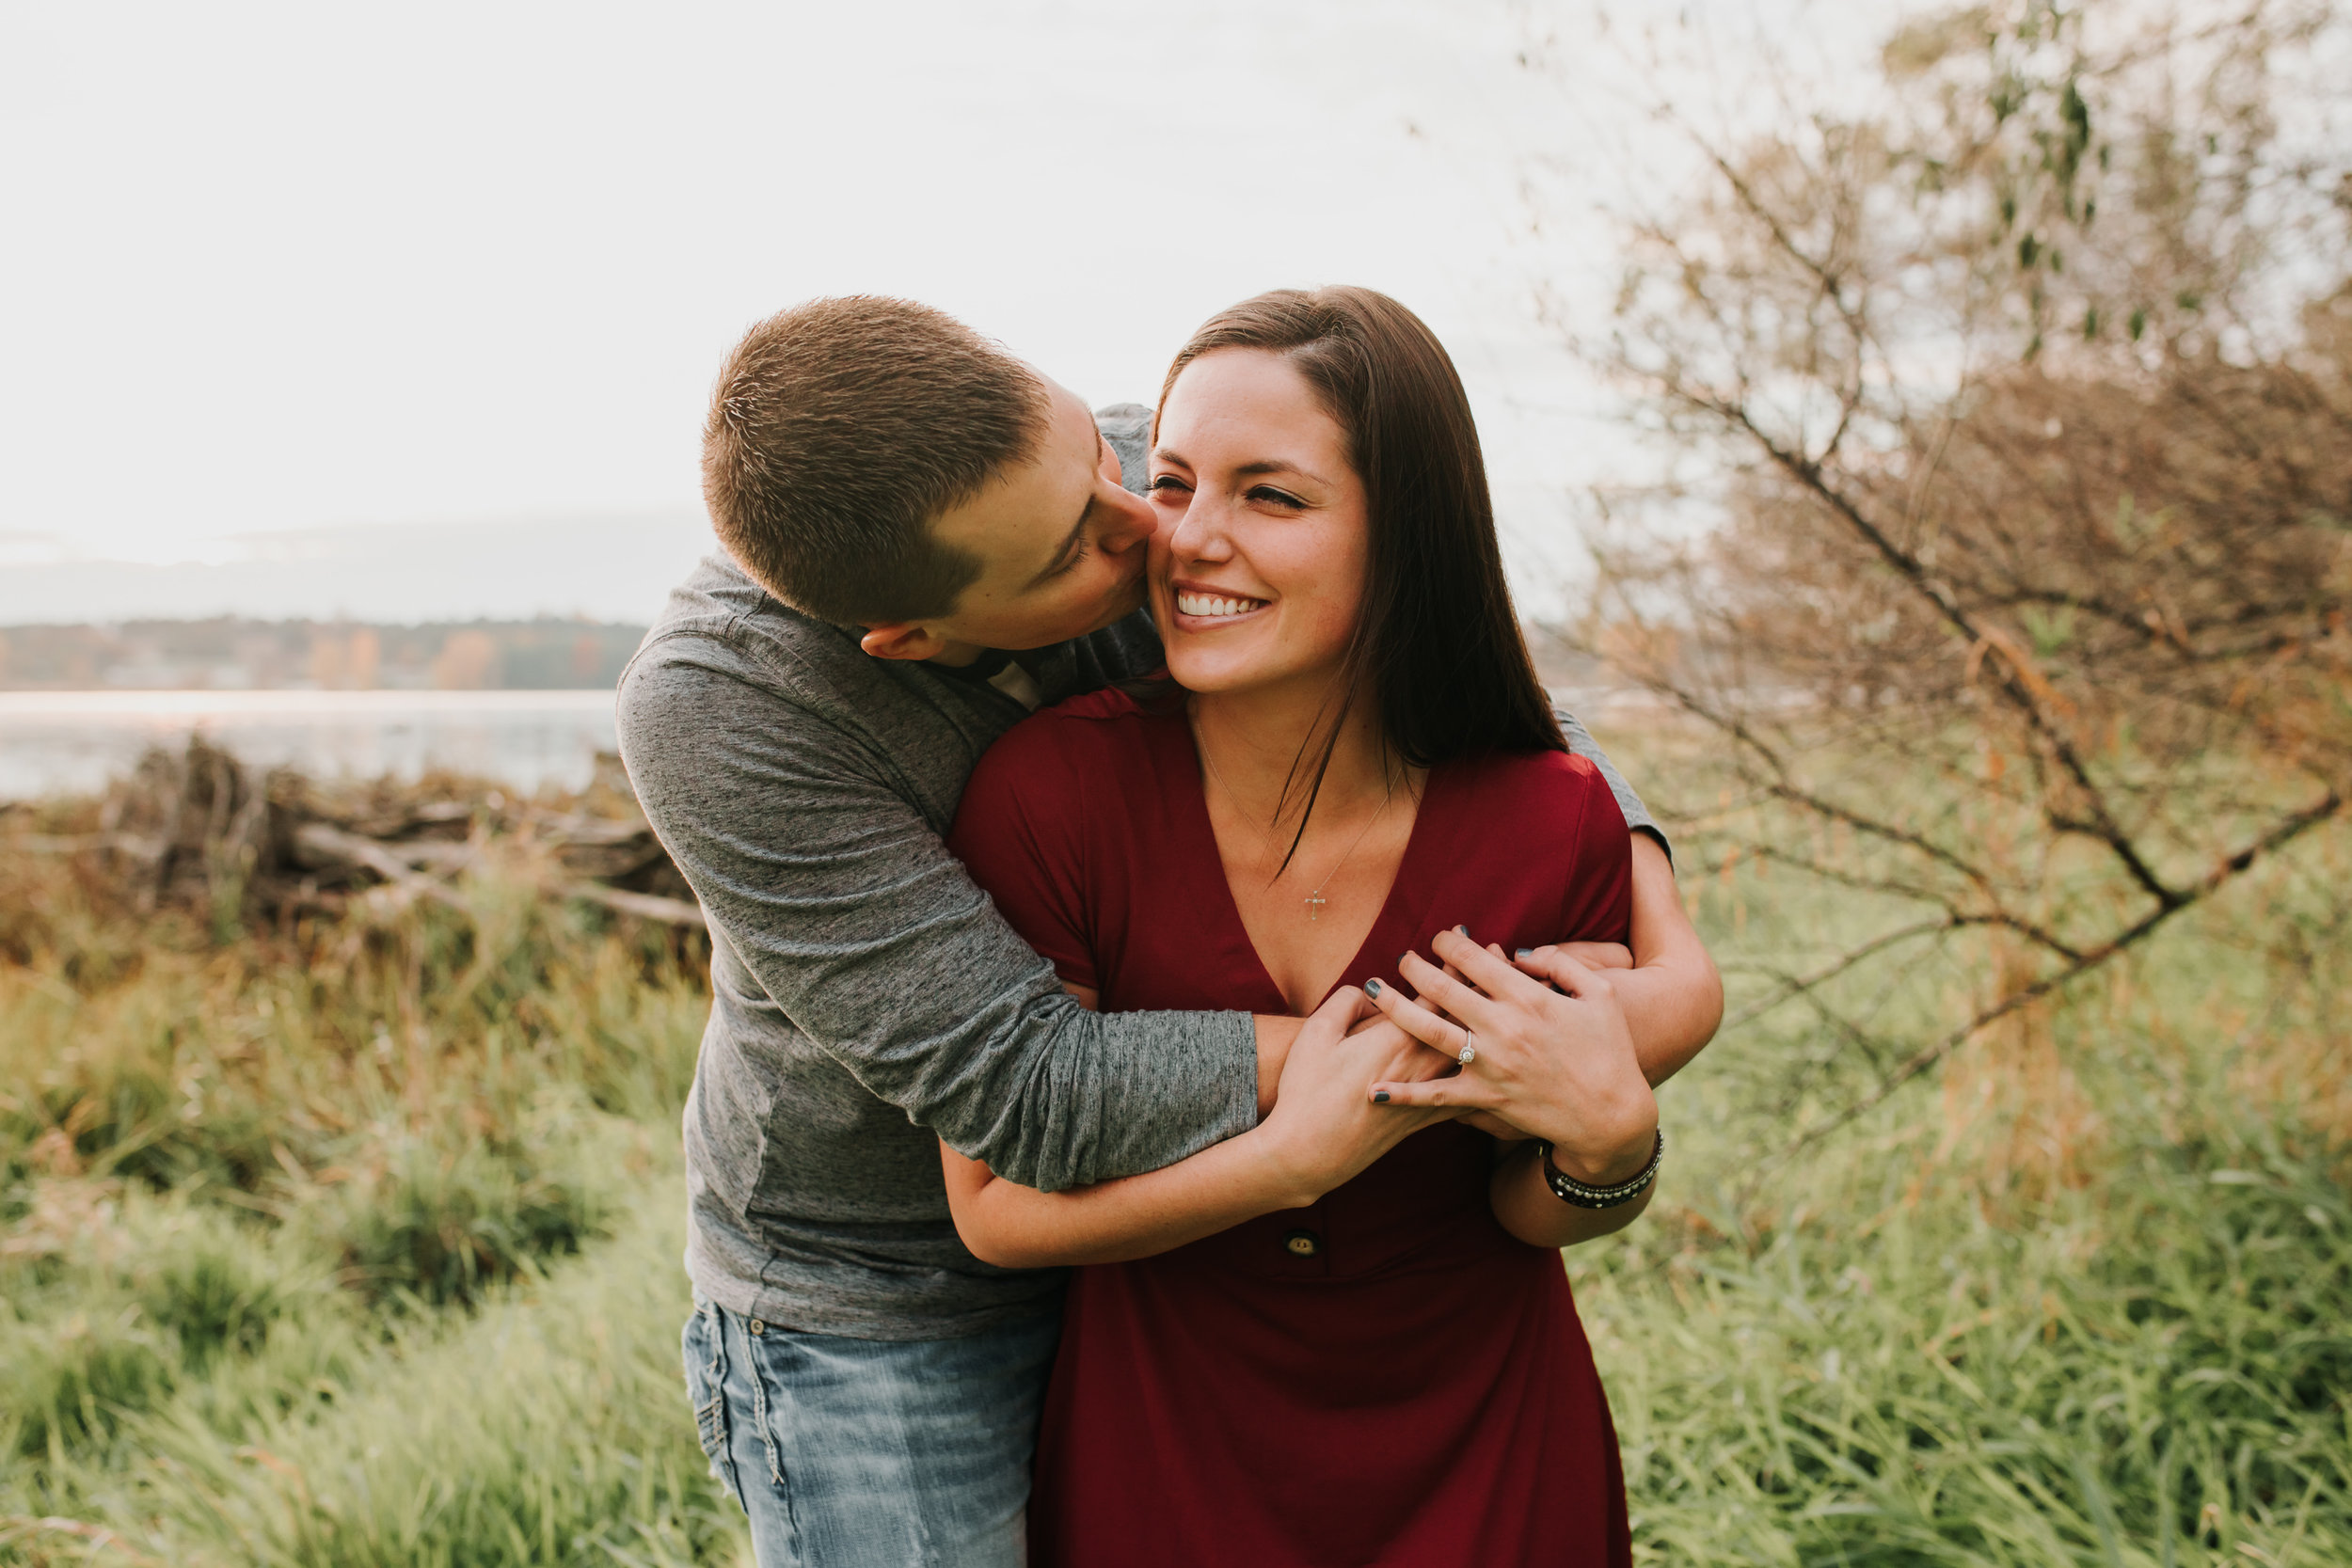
(54, 742)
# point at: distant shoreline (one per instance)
(179, 704)
(68, 742)
(238, 654)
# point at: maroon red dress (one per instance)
(1387, 1377)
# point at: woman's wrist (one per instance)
(1286, 1174)
(1608, 1161)
(1585, 1195)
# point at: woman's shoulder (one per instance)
(1090, 726)
(1555, 779)
(1548, 822)
(1557, 805)
(1069, 742)
(1114, 706)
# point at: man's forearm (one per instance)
(829, 886)
(1673, 997)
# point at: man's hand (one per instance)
(1411, 1062)
(1324, 1128)
(1278, 1035)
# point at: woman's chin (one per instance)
(1205, 676)
(1220, 657)
(1232, 676)
(1203, 681)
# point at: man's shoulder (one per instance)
(720, 625)
(1127, 426)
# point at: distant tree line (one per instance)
(230, 652)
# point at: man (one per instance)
(925, 539)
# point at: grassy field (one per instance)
(352, 1240)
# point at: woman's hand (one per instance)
(1324, 1128)
(1553, 1056)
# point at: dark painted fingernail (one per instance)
(1400, 957)
(1379, 1097)
(1372, 987)
(1461, 931)
(1527, 953)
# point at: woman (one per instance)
(1346, 1337)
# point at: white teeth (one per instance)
(1211, 604)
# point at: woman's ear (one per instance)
(903, 639)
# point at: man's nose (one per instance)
(1132, 522)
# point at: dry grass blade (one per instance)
(19, 1529)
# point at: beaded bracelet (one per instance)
(1567, 1189)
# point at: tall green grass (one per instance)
(333, 1243)
(275, 1190)
(2149, 1370)
(2084, 1299)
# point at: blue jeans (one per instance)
(872, 1453)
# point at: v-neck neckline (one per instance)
(1402, 884)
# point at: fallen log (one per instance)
(645, 906)
(77, 843)
(200, 830)
(320, 845)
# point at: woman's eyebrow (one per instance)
(1246, 470)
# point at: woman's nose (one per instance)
(1199, 533)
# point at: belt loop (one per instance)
(756, 1373)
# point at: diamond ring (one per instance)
(1470, 1051)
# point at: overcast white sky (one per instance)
(459, 274)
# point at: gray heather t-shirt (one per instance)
(866, 997)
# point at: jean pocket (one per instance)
(706, 1384)
(710, 1425)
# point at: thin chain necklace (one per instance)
(1315, 900)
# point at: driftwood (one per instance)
(198, 828)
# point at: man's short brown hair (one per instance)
(839, 430)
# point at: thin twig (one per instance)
(2280, 835)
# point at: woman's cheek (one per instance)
(1335, 591)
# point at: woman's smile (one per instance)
(1204, 608)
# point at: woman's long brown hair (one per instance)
(1437, 646)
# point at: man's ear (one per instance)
(903, 639)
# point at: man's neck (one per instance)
(955, 656)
